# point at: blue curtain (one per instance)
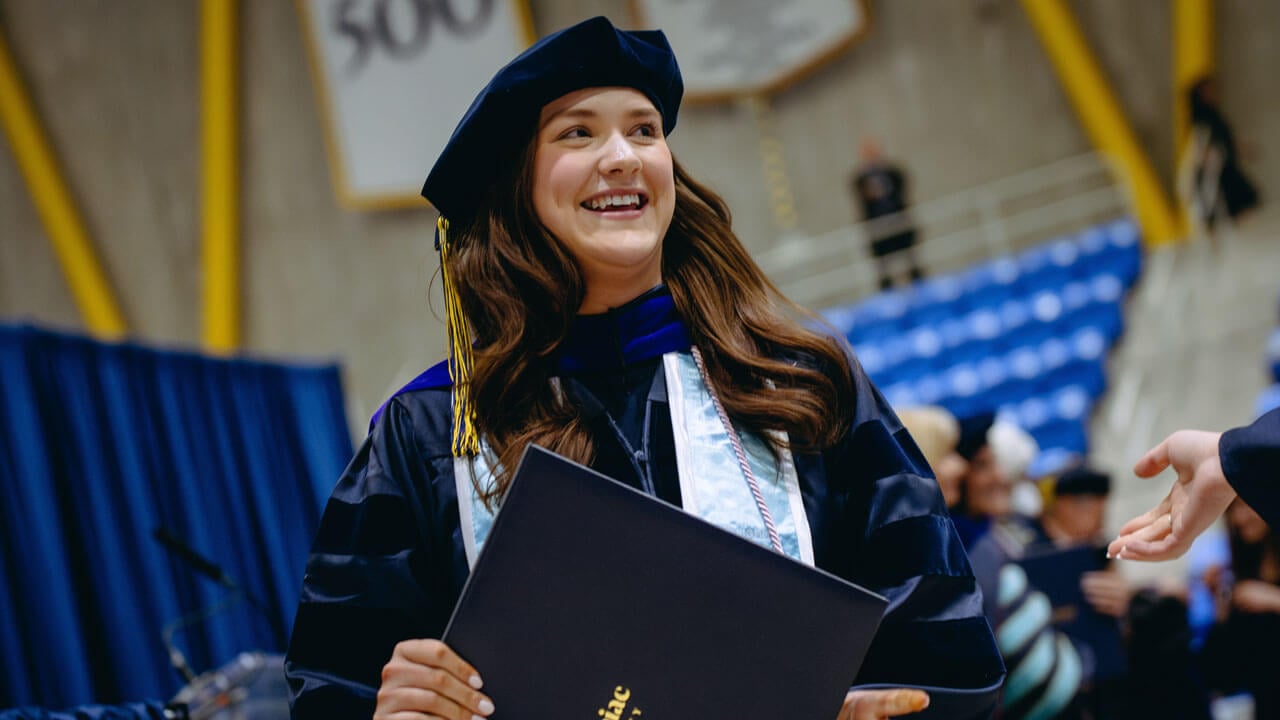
(102, 443)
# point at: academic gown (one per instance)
(388, 562)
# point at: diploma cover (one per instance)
(592, 600)
(1057, 573)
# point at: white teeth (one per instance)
(601, 203)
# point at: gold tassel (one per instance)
(465, 440)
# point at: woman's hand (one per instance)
(879, 704)
(426, 679)
(1256, 596)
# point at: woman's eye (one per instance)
(648, 130)
(577, 132)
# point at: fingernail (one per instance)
(486, 706)
(475, 682)
(477, 717)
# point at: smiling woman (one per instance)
(602, 306)
(605, 188)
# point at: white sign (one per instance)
(729, 48)
(395, 76)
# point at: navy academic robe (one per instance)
(1251, 461)
(388, 561)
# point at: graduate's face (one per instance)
(604, 185)
(1079, 517)
(950, 472)
(987, 491)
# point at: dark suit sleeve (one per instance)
(367, 583)
(1251, 461)
(934, 634)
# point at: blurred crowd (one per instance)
(1079, 639)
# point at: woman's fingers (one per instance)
(1165, 548)
(879, 704)
(406, 701)
(1153, 525)
(425, 678)
(436, 654)
(1154, 462)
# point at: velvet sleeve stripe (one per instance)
(377, 525)
(370, 581)
(920, 545)
(933, 598)
(950, 653)
(904, 495)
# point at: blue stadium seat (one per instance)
(1124, 251)
(1015, 314)
(1076, 295)
(1052, 461)
(1063, 434)
(1269, 400)
(936, 299)
(901, 395)
(930, 390)
(988, 283)
(840, 318)
(964, 390)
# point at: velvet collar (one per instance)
(644, 328)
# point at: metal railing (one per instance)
(996, 218)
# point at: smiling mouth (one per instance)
(616, 203)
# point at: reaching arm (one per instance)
(1212, 468)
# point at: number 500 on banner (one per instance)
(393, 77)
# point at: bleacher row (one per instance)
(1025, 335)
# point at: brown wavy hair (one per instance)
(520, 290)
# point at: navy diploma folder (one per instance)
(591, 600)
(1057, 574)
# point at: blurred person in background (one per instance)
(985, 490)
(880, 188)
(1015, 450)
(1046, 669)
(937, 432)
(1242, 651)
(1165, 680)
(1073, 520)
(1215, 182)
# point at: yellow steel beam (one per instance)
(219, 93)
(1192, 60)
(1104, 122)
(57, 211)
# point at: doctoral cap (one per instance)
(592, 53)
(1082, 481)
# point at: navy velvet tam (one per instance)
(1082, 481)
(592, 53)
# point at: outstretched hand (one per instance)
(1199, 495)
(881, 704)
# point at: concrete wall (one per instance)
(959, 91)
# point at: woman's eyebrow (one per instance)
(587, 113)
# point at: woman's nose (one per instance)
(619, 157)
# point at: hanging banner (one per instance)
(731, 48)
(393, 77)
